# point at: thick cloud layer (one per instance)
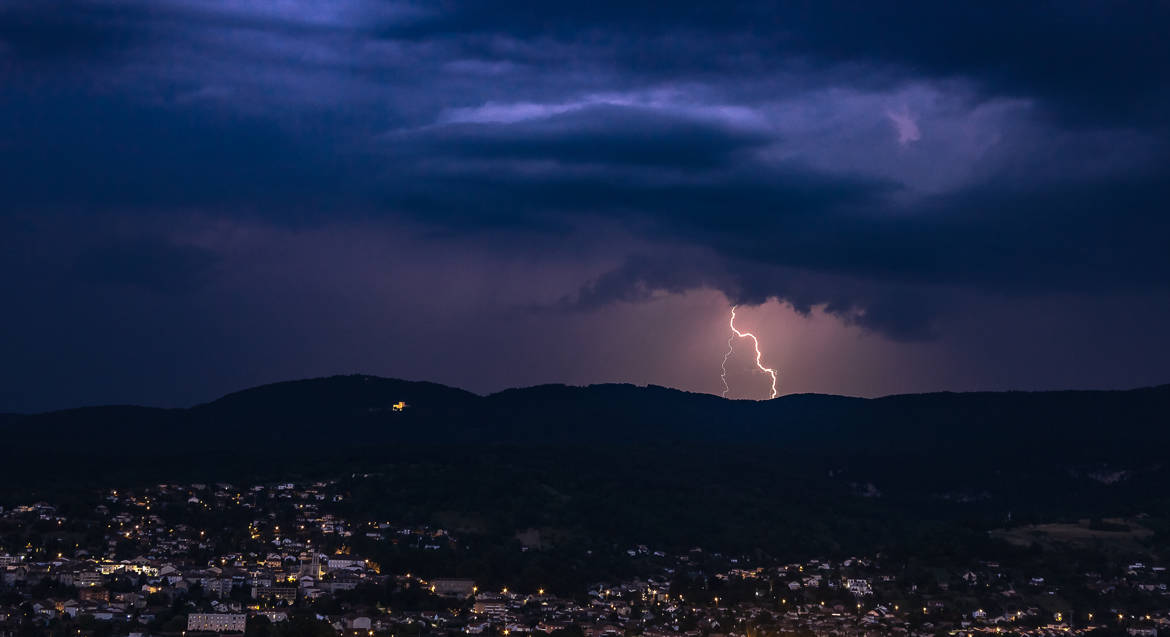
(890, 168)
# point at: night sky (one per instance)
(197, 197)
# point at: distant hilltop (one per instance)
(362, 412)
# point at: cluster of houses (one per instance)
(164, 561)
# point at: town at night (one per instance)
(396, 318)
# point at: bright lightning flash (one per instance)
(736, 333)
(723, 375)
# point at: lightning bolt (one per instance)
(723, 374)
(759, 355)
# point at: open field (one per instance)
(1117, 533)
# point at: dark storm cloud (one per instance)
(39, 34)
(673, 176)
(872, 159)
(893, 272)
(114, 154)
(1006, 234)
(1085, 59)
(603, 135)
(900, 311)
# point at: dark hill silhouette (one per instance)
(355, 412)
(809, 470)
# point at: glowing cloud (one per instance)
(906, 126)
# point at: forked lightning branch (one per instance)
(735, 333)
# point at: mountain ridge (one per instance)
(565, 386)
(969, 441)
(359, 408)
